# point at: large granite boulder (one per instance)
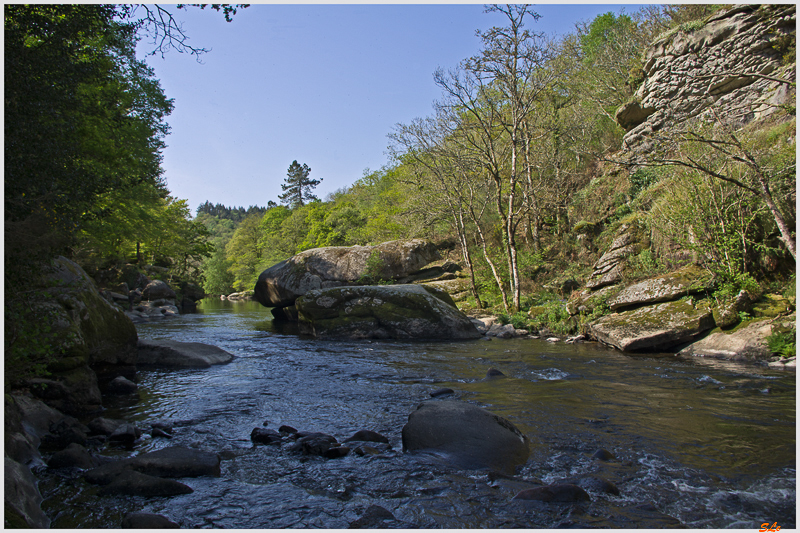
(181, 354)
(89, 326)
(158, 290)
(653, 328)
(746, 342)
(320, 268)
(466, 435)
(688, 280)
(691, 69)
(382, 312)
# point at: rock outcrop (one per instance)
(732, 62)
(466, 435)
(653, 328)
(91, 336)
(383, 312)
(743, 343)
(609, 268)
(683, 282)
(335, 266)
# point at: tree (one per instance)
(498, 90)
(298, 186)
(245, 252)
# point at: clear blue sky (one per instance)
(320, 84)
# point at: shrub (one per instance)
(783, 343)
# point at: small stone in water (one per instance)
(494, 373)
(441, 392)
(603, 455)
(265, 436)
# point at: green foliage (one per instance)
(217, 276)
(29, 340)
(552, 315)
(518, 320)
(603, 31)
(641, 179)
(245, 253)
(730, 284)
(530, 263)
(783, 343)
(88, 118)
(372, 270)
(645, 264)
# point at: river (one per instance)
(697, 443)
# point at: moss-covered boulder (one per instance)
(655, 327)
(771, 306)
(335, 266)
(683, 282)
(89, 326)
(88, 334)
(382, 312)
(587, 300)
(746, 342)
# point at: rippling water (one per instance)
(697, 443)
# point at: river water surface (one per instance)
(696, 443)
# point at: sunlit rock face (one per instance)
(689, 71)
(335, 266)
(383, 312)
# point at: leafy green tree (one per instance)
(245, 253)
(217, 277)
(298, 186)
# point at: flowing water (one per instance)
(697, 443)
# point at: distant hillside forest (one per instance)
(516, 174)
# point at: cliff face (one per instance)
(730, 63)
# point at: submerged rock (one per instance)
(314, 444)
(366, 435)
(181, 354)
(467, 435)
(375, 517)
(382, 312)
(73, 455)
(560, 493)
(175, 461)
(133, 483)
(265, 436)
(147, 521)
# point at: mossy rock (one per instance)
(683, 282)
(745, 342)
(88, 324)
(383, 311)
(771, 306)
(653, 328)
(334, 266)
(587, 300)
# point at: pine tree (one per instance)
(298, 187)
